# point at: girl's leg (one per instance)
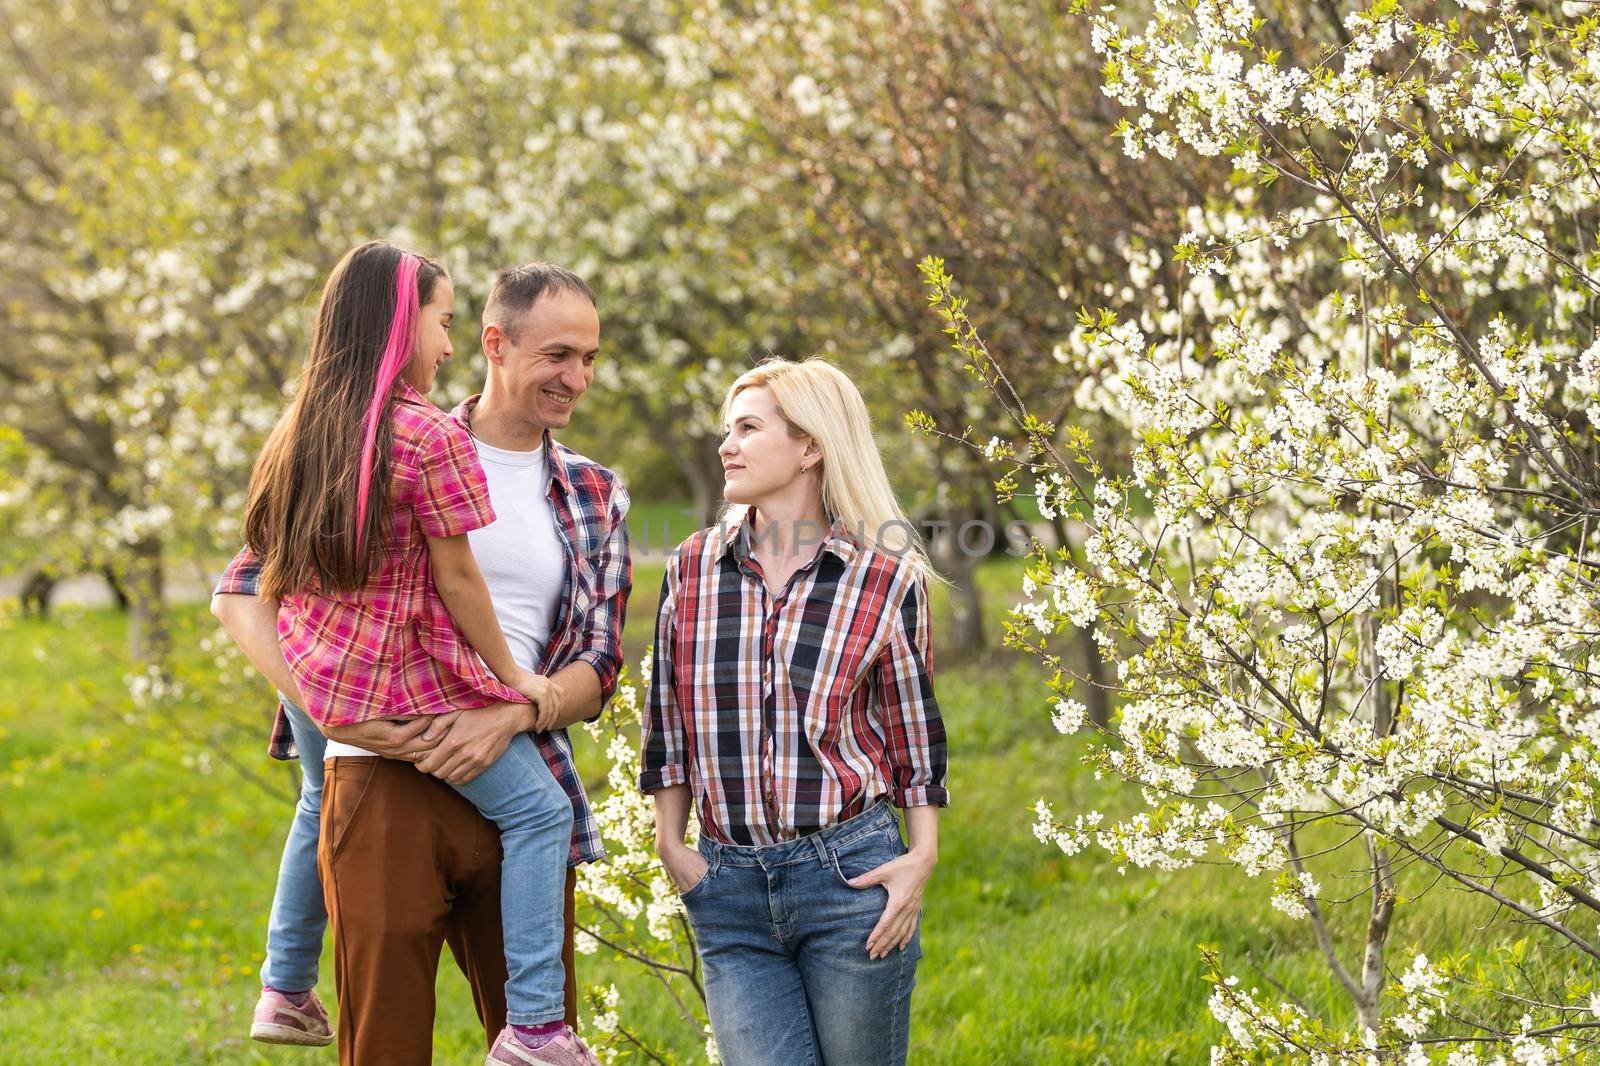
(520, 795)
(294, 933)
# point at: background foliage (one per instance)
(1276, 321)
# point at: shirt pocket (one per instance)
(839, 692)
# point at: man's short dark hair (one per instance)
(516, 290)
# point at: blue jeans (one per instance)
(294, 932)
(783, 942)
(521, 797)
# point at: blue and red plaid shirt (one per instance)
(590, 506)
(789, 713)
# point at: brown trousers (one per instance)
(408, 866)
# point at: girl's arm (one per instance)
(466, 597)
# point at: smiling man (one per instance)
(406, 864)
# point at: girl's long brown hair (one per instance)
(301, 518)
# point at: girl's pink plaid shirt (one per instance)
(391, 648)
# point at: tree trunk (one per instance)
(1369, 1012)
(961, 568)
(36, 592)
(966, 602)
(1381, 911)
(119, 592)
(1096, 694)
(705, 486)
(701, 467)
(149, 639)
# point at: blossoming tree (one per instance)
(985, 145)
(1348, 588)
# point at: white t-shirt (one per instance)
(520, 555)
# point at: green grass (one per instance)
(137, 863)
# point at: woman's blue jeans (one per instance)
(783, 943)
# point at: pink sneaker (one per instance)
(564, 1050)
(277, 1021)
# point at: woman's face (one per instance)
(433, 337)
(759, 457)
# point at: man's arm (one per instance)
(580, 700)
(466, 743)
(601, 647)
(252, 622)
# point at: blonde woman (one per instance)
(791, 701)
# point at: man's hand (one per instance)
(401, 738)
(465, 743)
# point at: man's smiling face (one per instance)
(548, 359)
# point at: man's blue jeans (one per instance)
(294, 932)
(783, 942)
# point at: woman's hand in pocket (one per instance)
(685, 866)
(904, 879)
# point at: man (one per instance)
(406, 863)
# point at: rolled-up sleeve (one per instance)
(664, 761)
(913, 729)
(242, 576)
(601, 644)
(452, 494)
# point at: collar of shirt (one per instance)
(839, 540)
(552, 462)
(409, 394)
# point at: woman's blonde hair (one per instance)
(819, 400)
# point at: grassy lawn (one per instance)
(137, 862)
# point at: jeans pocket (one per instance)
(696, 889)
(865, 853)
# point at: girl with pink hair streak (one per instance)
(358, 515)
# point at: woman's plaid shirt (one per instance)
(590, 506)
(789, 713)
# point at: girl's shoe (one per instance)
(564, 1050)
(278, 1021)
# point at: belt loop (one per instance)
(716, 858)
(821, 847)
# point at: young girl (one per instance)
(358, 513)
